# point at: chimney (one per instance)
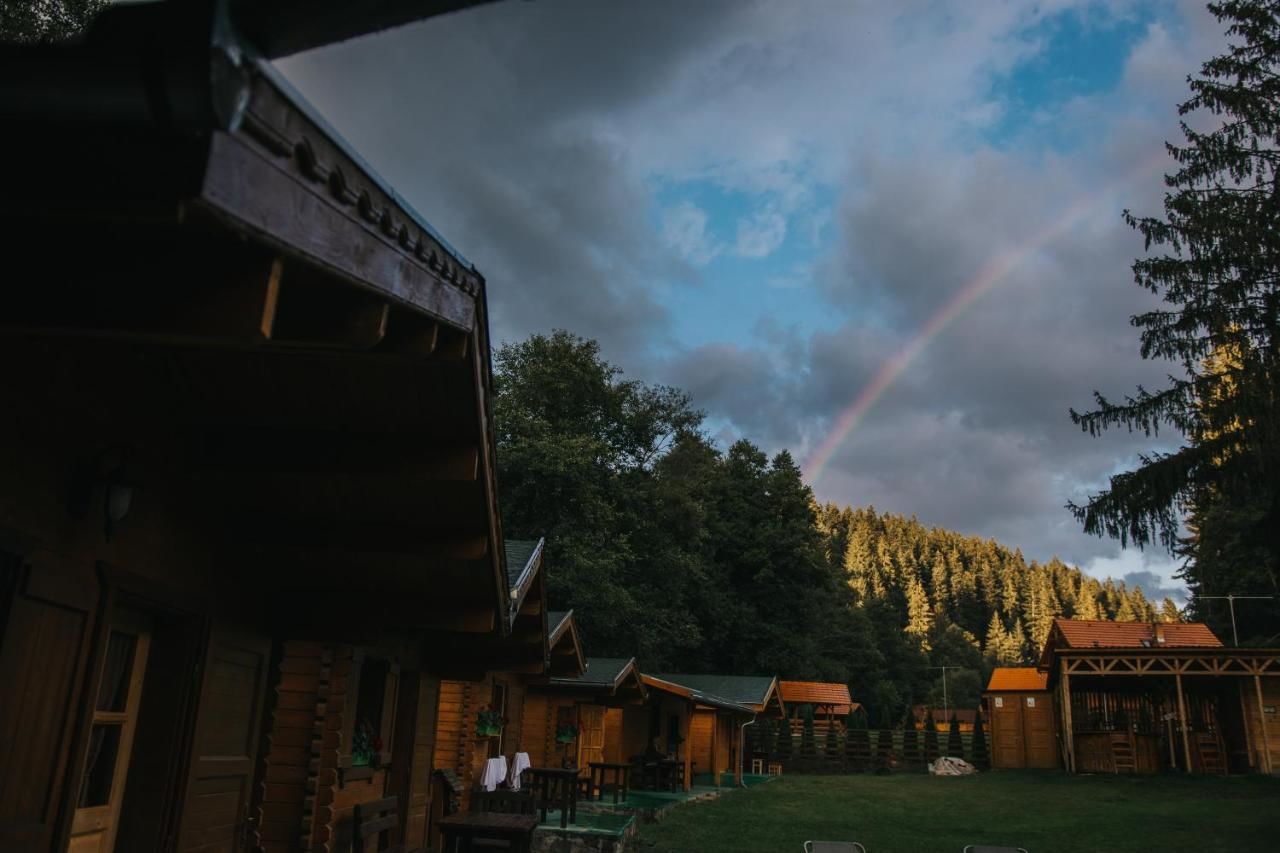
(1159, 634)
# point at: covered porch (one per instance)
(1210, 711)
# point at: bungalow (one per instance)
(1138, 697)
(482, 717)
(701, 718)
(248, 516)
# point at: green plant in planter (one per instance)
(488, 723)
(567, 733)
(364, 746)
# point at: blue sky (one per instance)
(762, 205)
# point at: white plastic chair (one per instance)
(833, 847)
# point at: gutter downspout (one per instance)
(742, 748)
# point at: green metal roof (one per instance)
(739, 689)
(555, 617)
(519, 553)
(600, 672)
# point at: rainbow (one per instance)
(995, 271)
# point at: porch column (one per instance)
(715, 737)
(1262, 723)
(1068, 728)
(1182, 720)
(688, 748)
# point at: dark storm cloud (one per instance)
(486, 122)
(1155, 587)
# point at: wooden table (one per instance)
(621, 774)
(663, 774)
(556, 786)
(459, 830)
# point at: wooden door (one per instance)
(1039, 743)
(47, 627)
(100, 792)
(701, 728)
(215, 817)
(591, 735)
(1007, 749)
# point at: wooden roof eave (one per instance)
(562, 636)
(283, 27)
(1154, 662)
(529, 572)
(695, 697)
(240, 148)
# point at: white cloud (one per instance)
(761, 234)
(684, 228)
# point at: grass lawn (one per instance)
(1043, 812)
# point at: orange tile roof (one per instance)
(1090, 634)
(1018, 678)
(815, 693)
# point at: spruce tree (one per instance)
(1217, 267)
(919, 613)
(930, 736)
(978, 745)
(997, 638)
(955, 744)
(1169, 611)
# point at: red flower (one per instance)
(377, 744)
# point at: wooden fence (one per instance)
(860, 750)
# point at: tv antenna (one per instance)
(1231, 603)
(945, 716)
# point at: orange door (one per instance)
(1038, 740)
(115, 717)
(591, 736)
(1007, 748)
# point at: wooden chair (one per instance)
(502, 801)
(833, 847)
(373, 819)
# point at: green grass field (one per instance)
(1043, 812)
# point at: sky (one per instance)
(885, 236)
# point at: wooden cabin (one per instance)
(1021, 714)
(1141, 697)
(693, 719)
(248, 515)
(596, 714)
(462, 743)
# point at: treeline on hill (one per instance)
(693, 559)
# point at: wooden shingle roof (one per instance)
(1099, 634)
(815, 693)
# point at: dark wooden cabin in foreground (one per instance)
(247, 515)
(1138, 697)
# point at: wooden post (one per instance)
(1262, 722)
(715, 731)
(688, 748)
(1248, 735)
(1182, 720)
(1068, 727)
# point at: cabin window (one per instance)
(371, 704)
(498, 703)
